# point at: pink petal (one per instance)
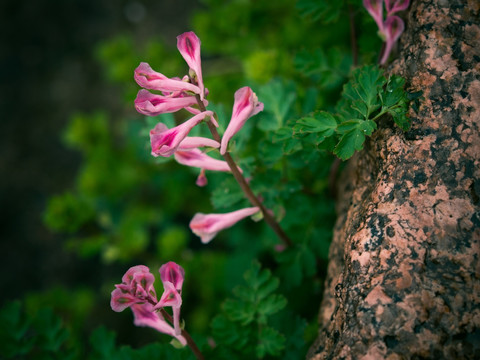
(245, 106)
(192, 142)
(164, 141)
(173, 273)
(171, 297)
(189, 46)
(394, 6)
(375, 8)
(119, 300)
(144, 286)
(394, 27)
(150, 104)
(144, 315)
(196, 158)
(207, 226)
(129, 275)
(149, 79)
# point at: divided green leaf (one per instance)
(244, 318)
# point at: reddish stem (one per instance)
(244, 185)
(190, 342)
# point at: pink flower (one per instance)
(201, 179)
(375, 8)
(196, 158)
(394, 6)
(136, 287)
(171, 297)
(393, 28)
(149, 79)
(145, 315)
(164, 141)
(245, 106)
(189, 46)
(172, 273)
(207, 226)
(150, 104)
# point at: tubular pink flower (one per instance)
(150, 104)
(189, 46)
(164, 141)
(145, 315)
(201, 179)
(394, 6)
(207, 226)
(375, 8)
(245, 106)
(196, 158)
(171, 297)
(173, 273)
(394, 27)
(147, 78)
(192, 142)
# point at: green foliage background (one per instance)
(128, 208)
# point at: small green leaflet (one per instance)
(354, 132)
(322, 123)
(365, 98)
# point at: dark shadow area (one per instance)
(47, 73)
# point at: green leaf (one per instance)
(270, 342)
(51, 330)
(14, 328)
(270, 306)
(229, 334)
(323, 124)
(348, 125)
(350, 141)
(327, 11)
(291, 146)
(278, 99)
(361, 93)
(227, 194)
(103, 343)
(282, 134)
(248, 314)
(328, 69)
(395, 101)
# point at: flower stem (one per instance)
(191, 344)
(244, 185)
(353, 35)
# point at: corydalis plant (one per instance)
(189, 93)
(136, 291)
(390, 28)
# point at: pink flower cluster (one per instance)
(392, 27)
(189, 93)
(137, 292)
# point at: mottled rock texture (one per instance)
(404, 273)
